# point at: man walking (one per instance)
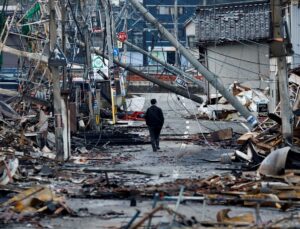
(154, 120)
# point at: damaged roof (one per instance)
(233, 22)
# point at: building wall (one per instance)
(164, 12)
(9, 60)
(295, 32)
(190, 29)
(134, 58)
(239, 62)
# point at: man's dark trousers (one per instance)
(154, 135)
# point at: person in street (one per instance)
(155, 120)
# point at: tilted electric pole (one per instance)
(211, 78)
(175, 89)
(169, 67)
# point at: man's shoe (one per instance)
(158, 148)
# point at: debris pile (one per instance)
(37, 200)
(31, 177)
(263, 143)
(218, 108)
(247, 190)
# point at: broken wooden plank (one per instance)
(99, 170)
(245, 219)
(221, 135)
(245, 137)
(29, 98)
(73, 117)
(32, 56)
(261, 145)
(146, 217)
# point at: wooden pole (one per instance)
(59, 144)
(278, 51)
(285, 108)
(32, 56)
(110, 58)
(146, 217)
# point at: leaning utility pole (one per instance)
(279, 49)
(174, 89)
(169, 67)
(59, 144)
(211, 78)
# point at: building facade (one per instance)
(292, 16)
(232, 40)
(164, 12)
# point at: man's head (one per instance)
(153, 101)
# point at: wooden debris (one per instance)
(245, 137)
(262, 199)
(221, 135)
(33, 200)
(146, 217)
(245, 219)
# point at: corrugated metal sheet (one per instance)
(231, 22)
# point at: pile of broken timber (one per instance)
(263, 142)
(245, 190)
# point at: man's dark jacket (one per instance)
(154, 117)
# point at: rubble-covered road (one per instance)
(105, 187)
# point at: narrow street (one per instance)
(129, 114)
(137, 173)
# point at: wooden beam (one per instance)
(29, 55)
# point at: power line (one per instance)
(75, 20)
(235, 58)
(244, 69)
